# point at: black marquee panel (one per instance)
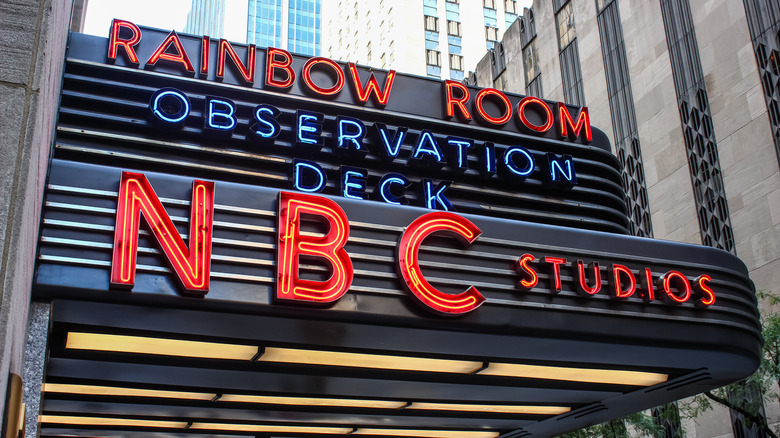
(528, 362)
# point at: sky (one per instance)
(163, 14)
(170, 14)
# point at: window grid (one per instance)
(621, 104)
(763, 17)
(701, 146)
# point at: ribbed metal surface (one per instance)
(104, 118)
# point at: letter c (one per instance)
(439, 222)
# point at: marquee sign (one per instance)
(259, 242)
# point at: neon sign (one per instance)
(279, 75)
(299, 212)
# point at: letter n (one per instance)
(293, 243)
(192, 265)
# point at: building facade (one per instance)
(441, 39)
(687, 92)
(288, 24)
(206, 17)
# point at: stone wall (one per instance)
(33, 36)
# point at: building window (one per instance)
(433, 57)
(456, 62)
(457, 2)
(499, 83)
(491, 33)
(456, 75)
(453, 28)
(530, 62)
(601, 4)
(510, 6)
(431, 23)
(565, 23)
(490, 4)
(700, 143)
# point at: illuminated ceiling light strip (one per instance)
(494, 409)
(104, 421)
(270, 428)
(308, 401)
(426, 433)
(387, 362)
(118, 391)
(114, 391)
(166, 347)
(588, 375)
(211, 350)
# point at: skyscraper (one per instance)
(206, 17)
(293, 25)
(438, 38)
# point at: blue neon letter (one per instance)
(431, 196)
(384, 188)
(220, 115)
(351, 132)
(353, 182)
(170, 107)
(308, 176)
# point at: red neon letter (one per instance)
(179, 57)
(529, 277)
(481, 109)
(306, 74)
(666, 283)
(273, 62)
(205, 47)
(649, 286)
(292, 244)
(583, 288)
(372, 86)
(556, 263)
(247, 71)
(192, 265)
(527, 123)
(618, 292)
(708, 296)
(115, 41)
(583, 120)
(409, 263)
(451, 101)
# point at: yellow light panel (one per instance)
(102, 421)
(61, 388)
(500, 409)
(270, 428)
(588, 375)
(306, 401)
(342, 359)
(426, 433)
(165, 347)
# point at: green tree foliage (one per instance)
(745, 397)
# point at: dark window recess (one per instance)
(534, 88)
(527, 27)
(700, 143)
(498, 60)
(453, 28)
(668, 417)
(624, 125)
(763, 17)
(433, 57)
(747, 394)
(431, 23)
(456, 62)
(491, 33)
(571, 74)
(571, 71)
